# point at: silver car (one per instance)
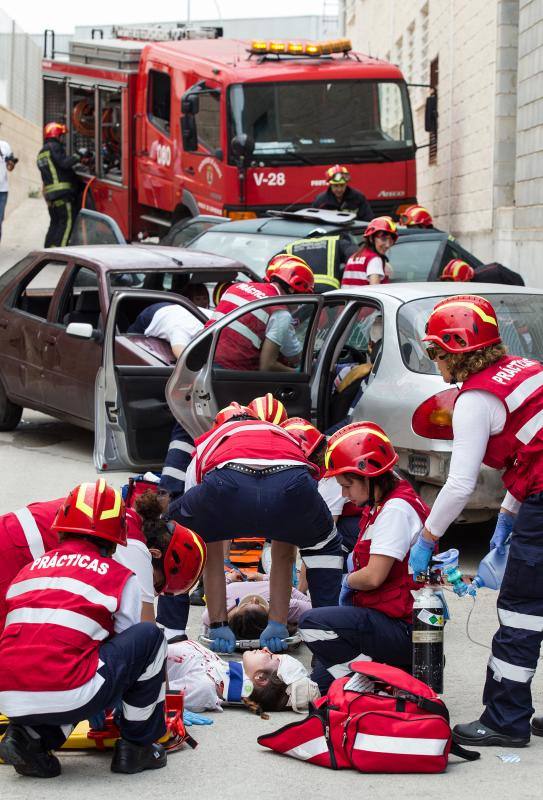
(396, 385)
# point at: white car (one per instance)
(403, 391)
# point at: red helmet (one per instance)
(463, 323)
(232, 410)
(338, 174)
(53, 130)
(416, 215)
(382, 225)
(93, 509)
(457, 270)
(305, 433)
(268, 409)
(184, 560)
(362, 448)
(293, 271)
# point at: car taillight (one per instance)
(433, 418)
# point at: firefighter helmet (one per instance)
(463, 323)
(416, 216)
(219, 290)
(382, 225)
(268, 408)
(233, 410)
(93, 509)
(338, 174)
(54, 129)
(362, 448)
(293, 271)
(184, 559)
(457, 270)
(308, 436)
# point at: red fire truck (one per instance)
(180, 127)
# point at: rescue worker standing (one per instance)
(369, 265)
(326, 255)
(373, 619)
(60, 184)
(341, 197)
(417, 217)
(497, 421)
(73, 644)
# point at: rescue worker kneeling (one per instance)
(373, 620)
(73, 644)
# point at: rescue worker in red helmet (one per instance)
(60, 184)
(339, 196)
(374, 615)
(265, 340)
(369, 265)
(497, 422)
(416, 217)
(457, 270)
(73, 644)
(268, 408)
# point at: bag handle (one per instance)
(461, 752)
(425, 704)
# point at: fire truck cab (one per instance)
(176, 128)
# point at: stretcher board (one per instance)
(254, 644)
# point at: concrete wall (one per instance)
(25, 139)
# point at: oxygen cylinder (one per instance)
(427, 638)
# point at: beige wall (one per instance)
(25, 140)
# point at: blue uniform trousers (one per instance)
(348, 529)
(516, 645)
(284, 506)
(134, 673)
(337, 636)
(178, 458)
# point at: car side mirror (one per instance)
(242, 147)
(430, 114)
(82, 330)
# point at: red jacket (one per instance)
(518, 383)
(394, 596)
(240, 342)
(60, 609)
(355, 273)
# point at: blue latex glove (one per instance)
(190, 718)
(350, 562)
(272, 637)
(346, 593)
(502, 531)
(223, 638)
(421, 555)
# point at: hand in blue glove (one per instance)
(420, 556)
(502, 531)
(350, 562)
(190, 718)
(272, 637)
(346, 593)
(223, 638)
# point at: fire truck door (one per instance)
(156, 154)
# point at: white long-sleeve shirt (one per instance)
(478, 415)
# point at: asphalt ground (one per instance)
(44, 458)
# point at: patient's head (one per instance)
(249, 618)
(269, 692)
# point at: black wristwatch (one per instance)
(218, 624)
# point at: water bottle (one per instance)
(491, 570)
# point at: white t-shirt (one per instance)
(129, 612)
(330, 491)
(375, 267)
(5, 150)
(280, 331)
(137, 558)
(175, 324)
(396, 528)
(477, 416)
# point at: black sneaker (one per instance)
(537, 726)
(476, 733)
(197, 596)
(129, 757)
(28, 755)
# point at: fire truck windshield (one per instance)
(349, 120)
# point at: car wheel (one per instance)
(10, 413)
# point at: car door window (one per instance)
(34, 295)
(182, 236)
(81, 299)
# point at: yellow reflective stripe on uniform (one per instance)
(68, 228)
(327, 280)
(57, 185)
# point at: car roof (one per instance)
(134, 257)
(275, 226)
(416, 290)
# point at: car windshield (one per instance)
(252, 249)
(357, 120)
(412, 260)
(520, 318)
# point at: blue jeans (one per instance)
(3, 202)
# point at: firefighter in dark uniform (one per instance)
(341, 197)
(326, 255)
(60, 184)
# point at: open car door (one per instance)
(93, 227)
(199, 386)
(132, 420)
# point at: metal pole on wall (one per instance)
(188, 12)
(11, 80)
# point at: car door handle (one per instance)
(286, 394)
(189, 170)
(4, 323)
(50, 339)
